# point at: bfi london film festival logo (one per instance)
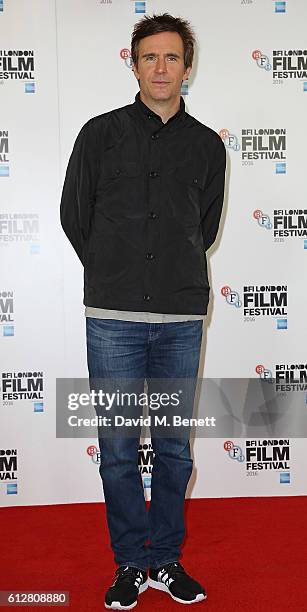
(4, 153)
(264, 373)
(145, 463)
(125, 55)
(23, 386)
(289, 377)
(8, 470)
(7, 313)
(94, 453)
(286, 224)
(259, 456)
(20, 228)
(145, 460)
(261, 60)
(260, 301)
(287, 64)
(229, 139)
(258, 144)
(18, 65)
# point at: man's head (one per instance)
(162, 49)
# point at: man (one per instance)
(141, 204)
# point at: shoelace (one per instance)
(171, 571)
(127, 574)
(174, 568)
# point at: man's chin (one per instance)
(160, 95)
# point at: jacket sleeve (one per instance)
(212, 203)
(78, 195)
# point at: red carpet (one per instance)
(250, 553)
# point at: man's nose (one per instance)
(161, 65)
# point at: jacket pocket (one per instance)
(191, 177)
(186, 188)
(120, 191)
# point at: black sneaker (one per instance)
(129, 582)
(173, 579)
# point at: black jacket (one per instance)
(141, 204)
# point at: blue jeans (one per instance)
(139, 350)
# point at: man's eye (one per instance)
(172, 57)
(150, 57)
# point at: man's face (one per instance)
(160, 68)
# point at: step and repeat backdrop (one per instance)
(64, 61)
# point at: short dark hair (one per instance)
(163, 23)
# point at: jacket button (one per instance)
(146, 297)
(117, 171)
(152, 215)
(155, 136)
(195, 180)
(153, 174)
(150, 256)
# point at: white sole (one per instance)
(162, 587)
(115, 605)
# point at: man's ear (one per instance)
(187, 73)
(134, 69)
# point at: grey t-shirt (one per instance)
(143, 317)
